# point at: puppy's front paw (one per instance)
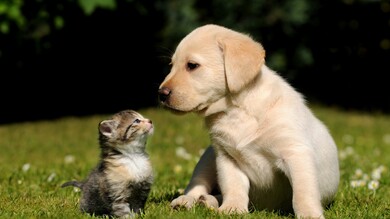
(183, 201)
(209, 201)
(313, 216)
(306, 211)
(310, 214)
(233, 208)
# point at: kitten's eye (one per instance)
(137, 121)
(192, 66)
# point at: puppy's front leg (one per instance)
(202, 182)
(234, 185)
(303, 176)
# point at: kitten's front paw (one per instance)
(127, 216)
(209, 201)
(233, 208)
(183, 201)
(122, 210)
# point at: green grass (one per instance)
(37, 157)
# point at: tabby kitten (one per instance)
(120, 184)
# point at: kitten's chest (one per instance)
(130, 168)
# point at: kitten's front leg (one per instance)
(122, 210)
(203, 181)
(234, 185)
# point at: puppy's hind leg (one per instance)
(203, 181)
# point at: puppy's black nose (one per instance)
(163, 94)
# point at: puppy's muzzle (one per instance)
(164, 93)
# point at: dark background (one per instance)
(67, 58)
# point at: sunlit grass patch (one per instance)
(37, 157)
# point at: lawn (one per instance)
(37, 157)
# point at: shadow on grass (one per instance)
(167, 196)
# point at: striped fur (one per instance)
(120, 184)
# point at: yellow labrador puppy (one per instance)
(268, 149)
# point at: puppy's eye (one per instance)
(192, 66)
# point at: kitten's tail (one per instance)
(72, 183)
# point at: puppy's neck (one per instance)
(260, 90)
(219, 106)
(249, 97)
(230, 100)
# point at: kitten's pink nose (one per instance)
(149, 121)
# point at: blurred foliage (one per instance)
(264, 20)
(181, 18)
(255, 17)
(11, 12)
(90, 5)
(324, 48)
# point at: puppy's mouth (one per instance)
(172, 109)
(165, 96)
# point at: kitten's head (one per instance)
(125, 128)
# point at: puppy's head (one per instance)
(208, 64)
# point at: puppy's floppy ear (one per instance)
(243, 58)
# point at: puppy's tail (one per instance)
(72, 183)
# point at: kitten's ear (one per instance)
(107, 127)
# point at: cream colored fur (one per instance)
(268, 149)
